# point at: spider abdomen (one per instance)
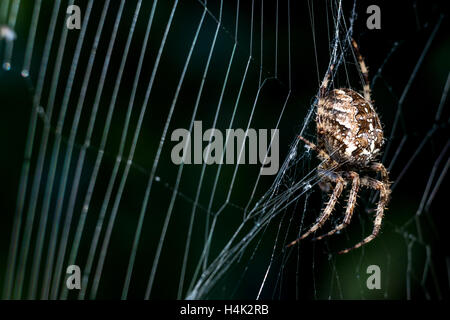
(348, 127)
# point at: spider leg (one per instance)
(379, 167)
(384, 198)
(340, 182)
(350, 206)
(324, 85)
(364, 71)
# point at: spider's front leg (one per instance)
(385, 192)
(350, 205)
(340, 183)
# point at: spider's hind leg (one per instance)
(384, 199)
(322, 155)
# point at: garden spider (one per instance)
(349, 138)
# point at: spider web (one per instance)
(94, 110)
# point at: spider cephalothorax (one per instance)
(349, 139)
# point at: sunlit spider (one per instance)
(349, 139)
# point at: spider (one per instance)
(349, 139)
